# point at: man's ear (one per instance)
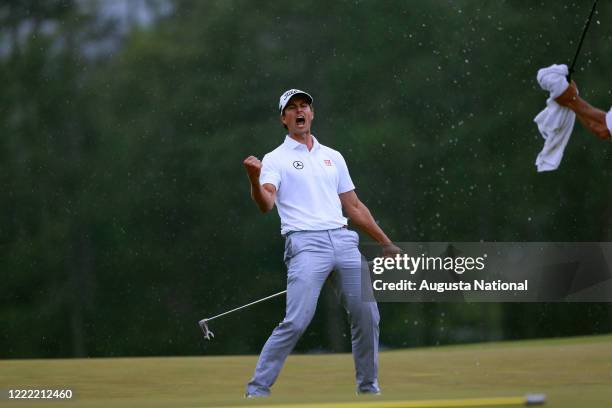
(282, 119)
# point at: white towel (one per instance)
(555, 122)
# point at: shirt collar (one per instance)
(294, 144)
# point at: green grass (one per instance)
(574, 372)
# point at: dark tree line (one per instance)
(125, 211)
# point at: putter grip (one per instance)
(535, 399)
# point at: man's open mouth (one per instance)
(300, 120)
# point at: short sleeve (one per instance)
(609, 120)
(270, 173)
(344, 178)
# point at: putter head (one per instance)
(208, 335)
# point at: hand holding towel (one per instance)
(555, 122)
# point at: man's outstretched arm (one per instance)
(262, 195)
(592, 118)
(359, 214)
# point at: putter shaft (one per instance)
(584, 31)
(247, 305)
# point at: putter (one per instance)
(584, 31)
(208, 334)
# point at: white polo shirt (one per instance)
(307, 185)
(609, 120)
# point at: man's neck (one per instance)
(305, 139)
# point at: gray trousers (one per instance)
(310, 257)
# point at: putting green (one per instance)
(572, 372)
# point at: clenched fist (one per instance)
(253, 168)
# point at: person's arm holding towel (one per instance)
(595, 120)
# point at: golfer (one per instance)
(311, 185)
(595, 120)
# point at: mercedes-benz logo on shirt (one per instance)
(298, 165)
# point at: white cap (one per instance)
(284, 99)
